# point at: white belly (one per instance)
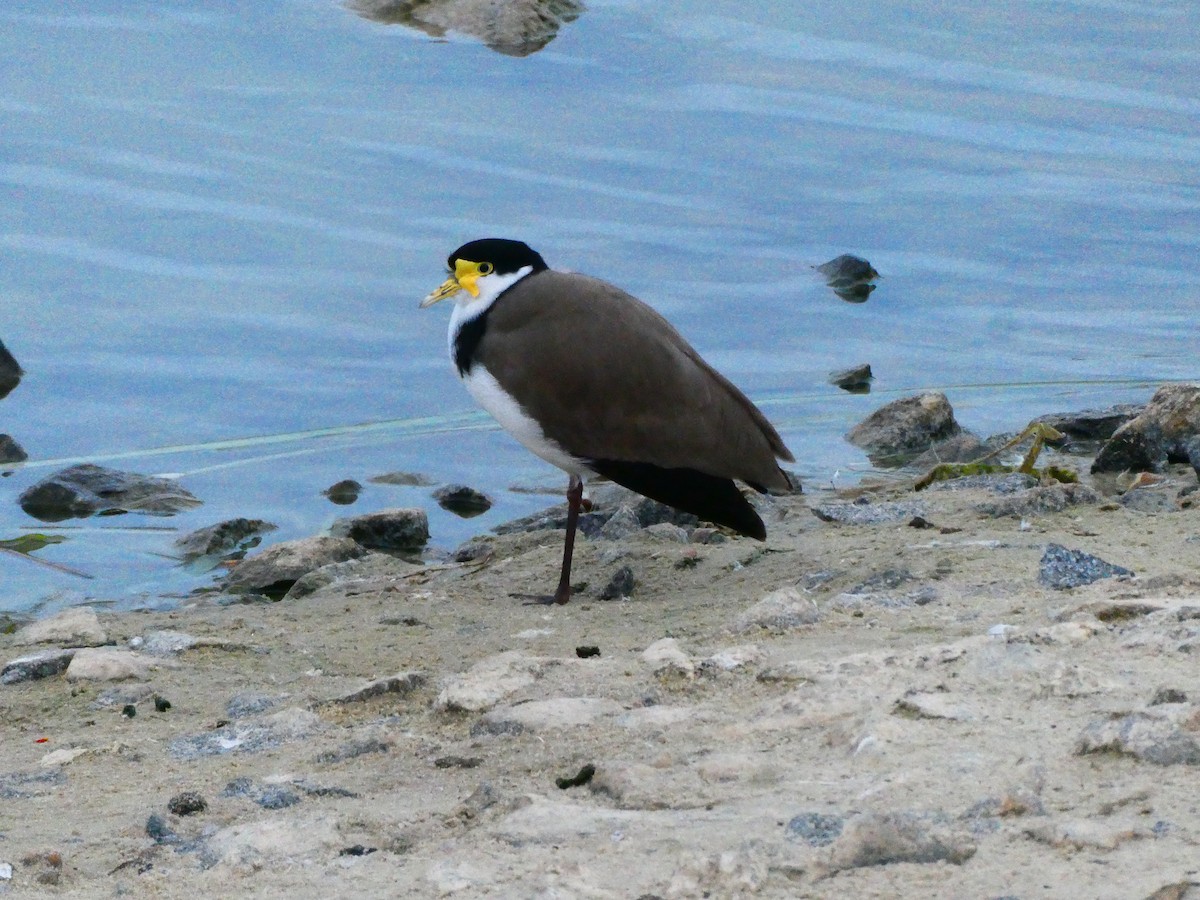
(488, 394)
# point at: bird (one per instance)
(596, 382)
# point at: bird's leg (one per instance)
(574, 501)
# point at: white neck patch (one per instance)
(467, 307)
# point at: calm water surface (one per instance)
(216, 226)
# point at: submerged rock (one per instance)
(856, 380)
(397, 530)
(11, 451)
(10, 372)
(1160, 434)
(87, 490)
(1062, 568)
(904, 428)
(1092, 424)
(233, 537)
(462, 500)
(850, 277)
(344, 492)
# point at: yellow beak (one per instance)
(465, 275)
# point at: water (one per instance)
(217, 224)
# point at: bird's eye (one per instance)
(485, 268)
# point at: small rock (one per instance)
(461, 500)
(732, 658)
(855, 380)
(1158, 435)
(488, 682)
(35, 666)
(904, 428)
(780, 610)
(273, 571)
(933, 705)
(1160, 735)
(1062, 569)
(161, 704)
(404, 479)
(398, 530)
(816, 829)
(666, 532)
(87, 490)
(74, 627)
(1155, 499)
(11, 451)
(877, 839)
(864, 512)
(232, 538)
(371, 566)
(62, 757)
(620, 586)
(1168, 695)
(1092, 424)
(248, 737)
(343, 492)
(1040, 501)
(667, 658)
(129, 711)
(546, 715)
(404, 683)
(477, 549)
(249, 703)
(850, 277)
(963, 447)
(110, 664)
(621, 524)
(187, 803)
(22, 785)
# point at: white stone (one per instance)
(934, 705)
(110, 664)
(736, 657)
(488, 682)
(559, 712)
(74, 627)
(61, 757)
(780, 610)
(666, 656)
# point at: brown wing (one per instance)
(609, 378)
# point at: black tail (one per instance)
(710, 498)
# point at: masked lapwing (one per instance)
(596, 382)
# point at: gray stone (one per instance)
(1160, 434)
(620, 524)
(1151, 499)
(22, 785)
(403, 479)
(816, 829)
(11, 451)
(370, 566)
(1158, 735)
(863, 512)
(856, 379)
(397, 530)
(1062, 568)
(77, 626)
(488, 682)
(250, 703)
(878, 839)
(233, 537)
(514, 28)
(963, 447)
(1040, 501)
(159, 831)
(902, 429)
(1003, 483)
(86, 490)
(187, 803)
(462, 500)
(276, 569)
(545, 715)
(35, 666)
(780, 610)
(1092, 424)
(247, 737)
(111, 664)
(404, 683)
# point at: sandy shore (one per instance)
(912, 712)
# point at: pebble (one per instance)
(856, 379)
(36, 665)
(1039, 501)
(1062, 569)
(402, 683)
(75, 627)
(187, 803)
(343, 492)
(781, 610)
(546, 715)
(816, 829)
(733, 658)
(620, 586)
(62, 757)
(905, 427)
(11, 451)
(863, 512)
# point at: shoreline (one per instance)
(863, 705)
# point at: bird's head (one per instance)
(481, 270)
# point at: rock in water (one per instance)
(229, 538)
(11, 451)
(462, 500)
(10, 372)
(87, 490)
(400, 530)
(904, 428)
(1160, 434)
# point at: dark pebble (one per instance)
(158, 829)
(356, 850)
(129, 710)
(620, 585)
(920, 522)
(581, 778)
(457, 762)
(276, 797)
(187, 803)
(587, 652)
(1168, 695)
(462, 500)
(162, 704)
(855, 381)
